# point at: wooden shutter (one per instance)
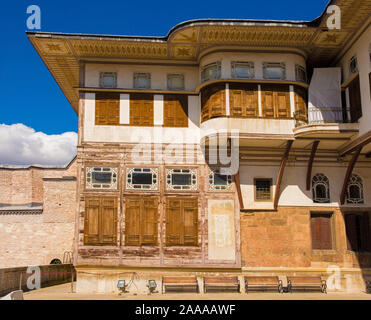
(174, 230)
(282, 96)
(213, 102)
(351, 231)
(355, 100)
(107, 108)
(365, 229)
(91, 222)
(148, 220)
(190, 221)
(268, 101)
(321, 231)
(108, 234)
(141, 110)
(301, 109)
(132, 222)
(243, 100)
(175, 111)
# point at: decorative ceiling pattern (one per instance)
(62, 53)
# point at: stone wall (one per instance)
(36, 238)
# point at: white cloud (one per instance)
(22, 145)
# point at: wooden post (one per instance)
(310, 163)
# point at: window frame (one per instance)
(247, 64)
(173, 75)
(281, 65)
(114, 180)
(211, 180)
(217, 64)
(270, 189)
(101, 79)
(326, 183)
(194, 179)
(355, 180)
(152, 187)
(353, 65)
(137, 75)
(299, 68)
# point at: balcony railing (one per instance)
(319, 116)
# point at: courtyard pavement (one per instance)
(63, 292)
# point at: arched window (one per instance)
(56, 261)
(321, 188)
(355, 189)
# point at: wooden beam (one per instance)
(351, 165)
(280, 173)
(310, 163)
(238, 187)
(357, 144)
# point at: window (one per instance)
(107, 108)
(276, 101)
(141, 110)
(181, 179)
(301, 75)
(175, 111)
(101, 178)
(181, 221)
(100, 227)
(355, 189)
(357, 227)
(175, 82)
(218, 181)
(142, 80)
(243, 100)
(211, 72)
(263, 189)
(321, 189)
(213, 102)
(141, 217)
(142, 178)
(321, 231)
(243, 70)
(108, 80)
(355, 100)
(353, 65)
(274, 71)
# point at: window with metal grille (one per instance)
(211, 71)
(263, 189)
(355, 189)
(243, 70)
(142, 178)
(142, 80)
(101, 178)
(108, 80)
(274, 70)
(301, 75)
(321, 188)
(175, 81)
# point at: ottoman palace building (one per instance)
(229, 147)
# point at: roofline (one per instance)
(37, 166)
(314, 23)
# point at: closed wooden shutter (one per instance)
(355, 100)
(149, 221)
(141, 221)
(100, 227)
(91, 222)
(107, 108)
(132, 222)
(182, 222)
(321, 231)
(351, 231)
(141, 110)
(243, 101)
(366, 241)
(282, 102)
(175, 111)
(190, 220)
(174, 230)
(276, 101)
(301, 109)
(268, 101)
(213, 102)
(108, 221)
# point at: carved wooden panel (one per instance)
(213, 102)
(107, 108)
(243, 100)
(141, 109)
(175, 111)
(276, 101)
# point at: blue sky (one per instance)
(28, 93)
